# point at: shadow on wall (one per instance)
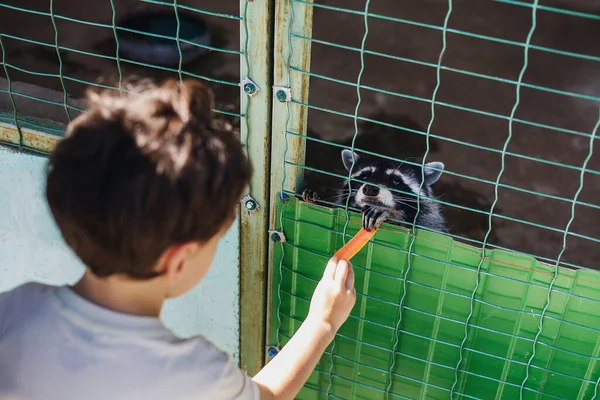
(401, 144)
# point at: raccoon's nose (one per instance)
(370, 190)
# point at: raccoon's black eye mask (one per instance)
(433, 169)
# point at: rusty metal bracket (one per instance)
(249, 86)
(277, 236)
(282, 93)
(250, 204)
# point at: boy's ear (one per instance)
(172, 260)
(433, 171)
(348, 157)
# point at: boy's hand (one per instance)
(335, 295)
(333, 299)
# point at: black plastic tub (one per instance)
(150, 37)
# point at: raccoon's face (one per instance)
(389, 184)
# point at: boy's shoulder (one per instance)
(23, 293)
(86, 344)
(22, 303)
(22, 288)
(19, 305)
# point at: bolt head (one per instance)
(275, 237)
(250, 88)
(251, 205)
(281, 96)
(272, 352)
(283, 197)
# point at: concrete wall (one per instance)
(31, 249)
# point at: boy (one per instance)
(141, 188)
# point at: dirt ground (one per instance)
(455, 130)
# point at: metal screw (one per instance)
(281, 95)
(251, 205)
(277, 236)
(283, 197)
(250, 88)
(272, 351)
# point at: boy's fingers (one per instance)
(341, 273)
(350, 279)
(329, 272)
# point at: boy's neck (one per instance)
(121, 294)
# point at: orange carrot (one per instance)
(355, 244)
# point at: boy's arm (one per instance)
(334, 297)
(284, 376)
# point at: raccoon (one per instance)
(375, 199)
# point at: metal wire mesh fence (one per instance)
(504, 93)
(506, 116)
(52, 50)
(510, 107)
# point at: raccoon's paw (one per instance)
(308, 196)
(373, 217)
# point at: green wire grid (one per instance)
(282, 193)
(20, 120)
(60, 61)
(349, 177)
(408, 344)
(509, 118)
(457, 31)
(504, 148)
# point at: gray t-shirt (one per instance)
(55, 345)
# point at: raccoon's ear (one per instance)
(433, 171)
(347, 157)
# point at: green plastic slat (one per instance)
(511, 295)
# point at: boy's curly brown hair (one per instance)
(141, 170)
